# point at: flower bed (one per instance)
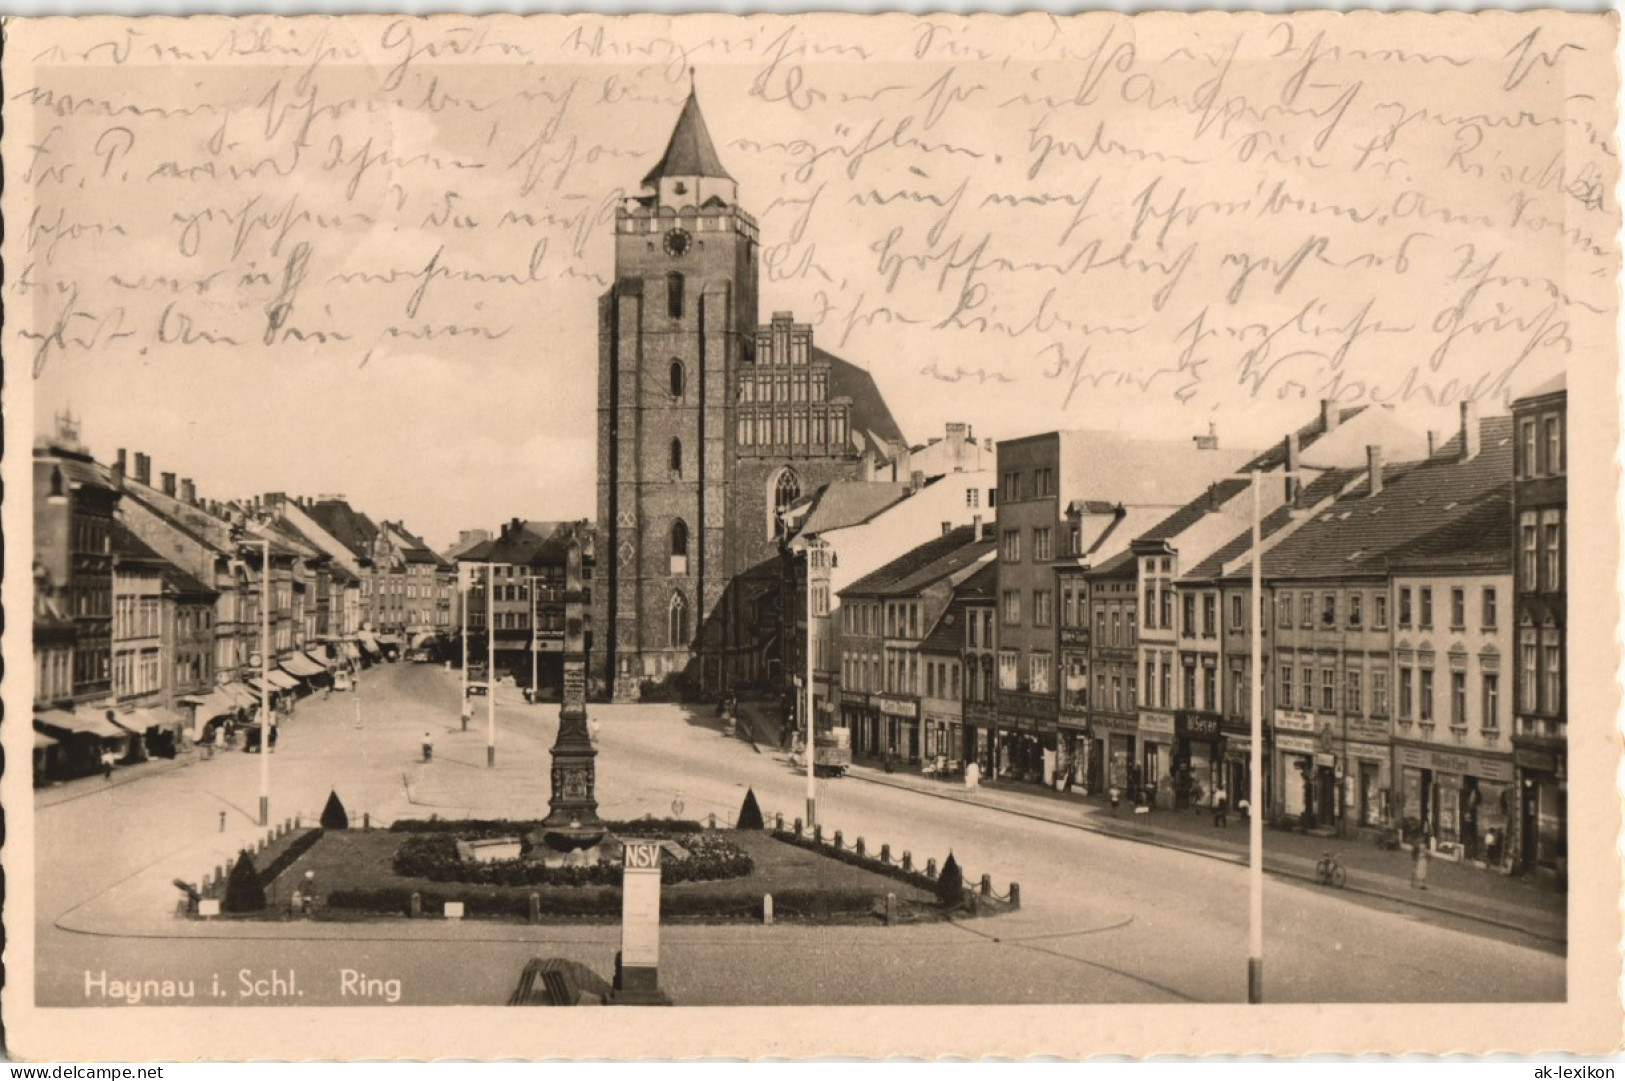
(434, 856)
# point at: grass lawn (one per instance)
(804, 884)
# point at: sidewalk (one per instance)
(1532, 907)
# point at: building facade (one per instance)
(1540, 737)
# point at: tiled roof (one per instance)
(918, 558)
(1478, 539)
(1363, 534)
(969, 553)
(947, 635)
(1320, 489)
(1182, 519)
(690, 151)
(1120, 565)
(346, 525)
(128, 547)
(981, 586)
(844, 503)
(532, 544)
(870, 413)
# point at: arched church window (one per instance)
(786, 490)
(676, 378)
(677, 457)
(677, 621)
(674, 295)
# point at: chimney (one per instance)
(947, 528)
(1330, 415)
(976, 527)
(143, 469)
(118, 469)
(169, 484)
(1292, 485)
(987, 445)
(1373, 468)
(188, 492)
(1212, 497)
(1210, 441)
(916, 481)
(1469, 431)
(1433, 442)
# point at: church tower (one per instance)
(672, 330)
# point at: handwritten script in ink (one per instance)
(1036, 219)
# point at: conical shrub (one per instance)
(333, 815)
(244, 893)
(750, 813)
(951, 884)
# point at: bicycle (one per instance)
(1329, 871)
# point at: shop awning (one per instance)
(318, 659)
(90, 724)
(140, 720)
(217, 703)
(283, 681)
(298, 664)
(240, 694)
(369, 644)
(389, 639)
(43, 742)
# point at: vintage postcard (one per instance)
(836, 534)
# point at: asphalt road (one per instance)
(1103, 920)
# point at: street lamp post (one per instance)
(264, 544)
(462, 643)
(814, 545)
(531, 581)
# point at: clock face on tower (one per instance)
(677, 242)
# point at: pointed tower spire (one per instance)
(690, 152)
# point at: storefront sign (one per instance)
(1237, 748)
(1538, 761)
(1028, 706)
(1489, 769)
(941, 717)
(1197, 724)
(1323, 759)
(1366, 750)
(1156, 724)
(1104, 722)
(980, 713)
(1296, 745)
(898, 707)
(1075, 636)
(855, 698)
(1366, 729)
(1290, 720)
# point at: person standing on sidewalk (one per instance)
(1221, 809)
(1116, 794)
(428, 746)
(1419, 861)
(973, 776)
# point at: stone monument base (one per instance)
(637, 985)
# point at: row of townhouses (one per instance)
(151, 605)
(1082, 616)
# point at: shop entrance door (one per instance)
(1325, 796)
(1531, 826)
(1370, 803)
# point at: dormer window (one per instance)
(679, 188)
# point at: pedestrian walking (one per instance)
(973, 776)
(1116, 794)
(1221, 819)
(428, 746)
(107, 765)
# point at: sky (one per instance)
(364, 257)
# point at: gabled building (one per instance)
(1360, 606)
(883, 617)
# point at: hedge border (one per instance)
(296, 848)
(605, 902)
